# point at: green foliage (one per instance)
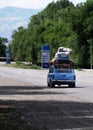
(19, 64)
(59, 24)
(82, 25)
(3, 46)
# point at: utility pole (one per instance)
(91, 56)
(90, 41)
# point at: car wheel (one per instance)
(48, 84)
(52, 85)
(72, 85)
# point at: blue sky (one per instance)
(34, 4)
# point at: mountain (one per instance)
(12, 17)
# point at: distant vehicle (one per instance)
(61, 73)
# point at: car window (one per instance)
(63, 70)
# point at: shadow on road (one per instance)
(42, 115)
(45, 115)
(25, 90)
(30, 90)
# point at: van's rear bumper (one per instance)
(63, 81)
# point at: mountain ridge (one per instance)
(13, 17)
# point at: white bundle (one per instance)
(63, 53)
(63, 49)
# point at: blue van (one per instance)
(61, 74)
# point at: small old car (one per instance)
(61, 74)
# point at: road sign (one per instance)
(45, 56)
(8, 56)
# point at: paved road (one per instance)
(45, 108)
(83, 90)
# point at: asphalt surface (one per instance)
(43, 108)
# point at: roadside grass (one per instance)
(23, 65)
(79, 69)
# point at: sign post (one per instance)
(45, 56)
(8, 56)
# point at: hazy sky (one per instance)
(35, 4)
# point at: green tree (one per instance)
(59, 24)
(3, 46)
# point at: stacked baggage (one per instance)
(62, 56)
(63, 53)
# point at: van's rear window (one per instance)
(63, 70)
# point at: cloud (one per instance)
(26, 3)
(34, 4)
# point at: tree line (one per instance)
(3, 47)
(61, 23)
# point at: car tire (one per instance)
(48, 84)
(52, 85)
(72, 85)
